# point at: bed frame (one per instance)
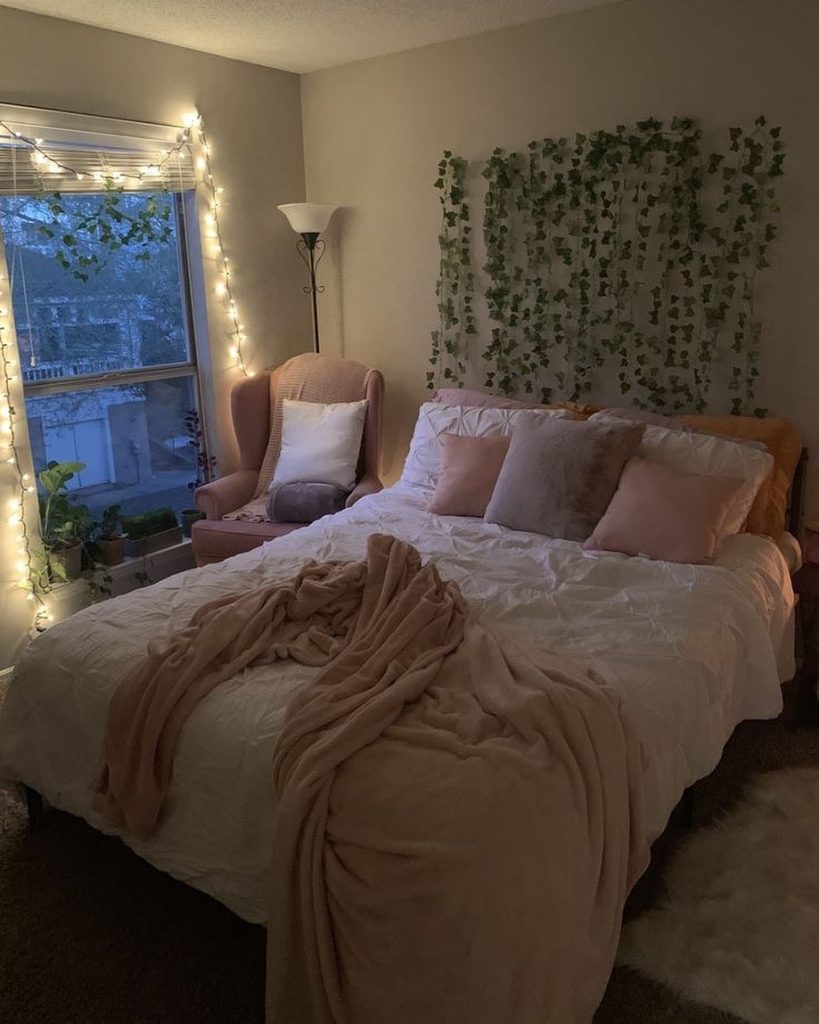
(684, 812)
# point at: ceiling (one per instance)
(303, 35)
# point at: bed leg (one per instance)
(34, 806)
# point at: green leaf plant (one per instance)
(632, 253)
(455, 287)
(86, 239)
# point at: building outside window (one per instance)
(107, 354)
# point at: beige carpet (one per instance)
(89, 934)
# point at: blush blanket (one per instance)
(458, 825)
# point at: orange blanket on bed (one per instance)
(458, 826)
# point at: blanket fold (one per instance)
(458, 824)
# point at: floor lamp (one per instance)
(309, 220)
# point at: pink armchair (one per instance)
(215, 538)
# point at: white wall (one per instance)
(374, 132)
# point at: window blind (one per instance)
(73, 153)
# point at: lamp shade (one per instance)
(308, 218)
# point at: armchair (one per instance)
(215, 538)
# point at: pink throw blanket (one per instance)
(458, 827)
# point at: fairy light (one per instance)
(192, 136)
(15, 508)
(191, 142)
(44, 162)
(223, 288)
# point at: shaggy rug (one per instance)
(739, 927)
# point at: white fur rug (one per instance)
(740, 928)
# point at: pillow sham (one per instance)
(469, 472)
(320, 443)
(782, 440)
(712, 456)
(480, 399)
(661, 513)
(559, 475)
(423, 463)
(639, 416)
(476, 398)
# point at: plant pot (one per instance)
(189, 517)
(69, 558)
(112, 550)
(153, 542)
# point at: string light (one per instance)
(224, 284)
(191, 136)
(44, 162)
(22, 486)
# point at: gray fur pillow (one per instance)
(559, 475)
(304, 502)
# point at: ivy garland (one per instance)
(630, 249)
(455, 287)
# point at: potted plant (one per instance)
(110, 541)
(205, 467)
(150, 531)
(64, 524)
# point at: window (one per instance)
(104, 332)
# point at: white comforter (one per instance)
(693, 650)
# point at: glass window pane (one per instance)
(132, 439)
(82, 306)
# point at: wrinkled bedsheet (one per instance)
(692, 651)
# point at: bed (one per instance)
(570, 699)
(693, 650)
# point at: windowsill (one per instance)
(66, 598)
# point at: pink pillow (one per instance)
(661, 513)
(469, 471)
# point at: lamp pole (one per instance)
(311, 249)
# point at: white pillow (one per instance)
(712, 456)
(320, 443)
(423, 464)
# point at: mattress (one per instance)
(693, 650)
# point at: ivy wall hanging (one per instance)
(633, 252)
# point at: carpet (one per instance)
(739, 928)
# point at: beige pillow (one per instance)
(469, 472)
